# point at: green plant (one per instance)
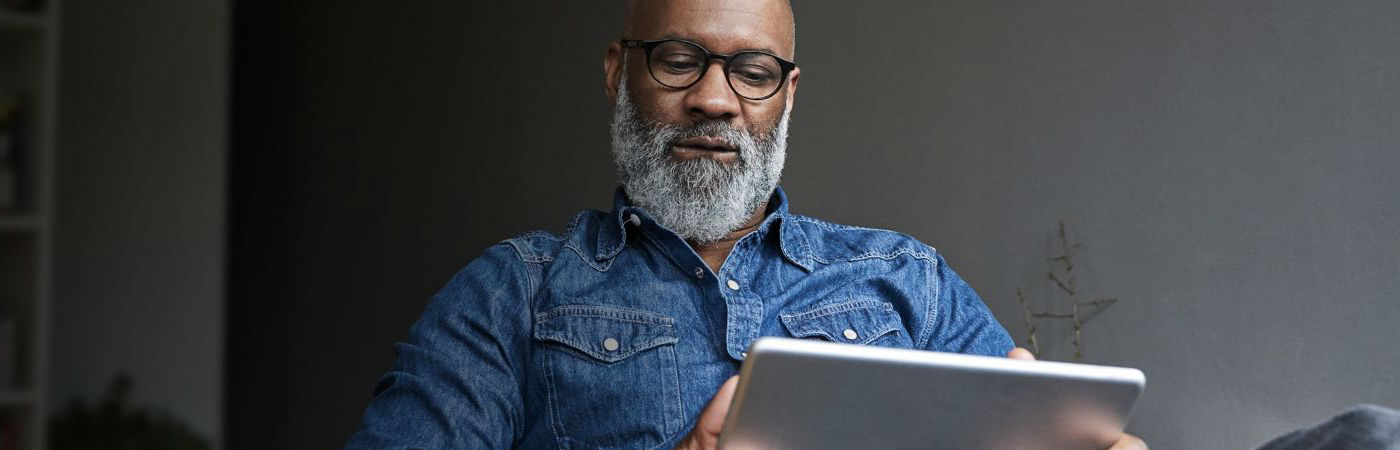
(113, 424)
(1080, 311)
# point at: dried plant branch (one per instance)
(1061, 284)
(1102, 303)
(1064, 280)
(1078, 332)
(1046, 315)
(1030, 324)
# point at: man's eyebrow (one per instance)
(691, 39)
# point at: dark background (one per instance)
(256, 199)
(378, 149)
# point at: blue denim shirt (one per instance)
(615, 334)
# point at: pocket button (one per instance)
(850, 334)
(610, 344)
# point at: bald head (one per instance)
(769, 22)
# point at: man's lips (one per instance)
(706, 144)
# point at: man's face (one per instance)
(700, 160)
(725, 27)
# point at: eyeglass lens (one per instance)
(679, 65)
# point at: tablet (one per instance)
(810, 395)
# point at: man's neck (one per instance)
(715, 253)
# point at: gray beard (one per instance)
(700, 199)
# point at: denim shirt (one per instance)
(615, 334)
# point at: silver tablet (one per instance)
(810, 395)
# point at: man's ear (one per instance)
(792, 87)
(612, 70)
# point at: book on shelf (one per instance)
(21, 5)
(9, 354)
(11, 154)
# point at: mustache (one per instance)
(737, 138)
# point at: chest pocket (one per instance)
(611, 376)
(863, 322)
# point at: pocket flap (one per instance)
(608, 334)
(857, 322)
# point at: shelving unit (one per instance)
(28, 79)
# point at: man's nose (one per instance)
(711, 98)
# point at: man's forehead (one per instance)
(723, 26)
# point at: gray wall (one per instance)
(140, 207)
(1230, 168)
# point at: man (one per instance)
(626, 330)
(619, 332)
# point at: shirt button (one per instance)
(743, 354)
(610, 344)
(634, 220)
(734, 285)
(850, 334)
(699, 273)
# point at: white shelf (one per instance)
(20, 223)
(13, 399)
(23, 21)
(29, 60)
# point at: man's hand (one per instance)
(705, 435)
(1125, 442)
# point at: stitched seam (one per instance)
(871, 337)
(573, 224)
(587, 259)
(890, 255)
(932, 310)
(879, 333)
(526, 249)
(532, 282)
(680, 425)
(523, 239)
(553, 413)
(676, 378)
(583, 347)
(532, 234)
(603, 312)
(605, 316)
(519, 245)
(883, 255)
(606, 226)
(839, 308)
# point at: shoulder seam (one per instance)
(930, 310)
(914, 247)
(528, 253)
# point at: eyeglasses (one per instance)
(679, 64)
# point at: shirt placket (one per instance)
(744, 309)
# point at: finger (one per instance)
(1128, 442)
(1021, 353)
(705, 435)
(712, 418)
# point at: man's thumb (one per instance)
(712, 418)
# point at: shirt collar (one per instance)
(792, 242)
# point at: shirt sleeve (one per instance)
(457, 380)
(961, 322)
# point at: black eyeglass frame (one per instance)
(647, 46)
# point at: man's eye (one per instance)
(753, 75)
(680, 65)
